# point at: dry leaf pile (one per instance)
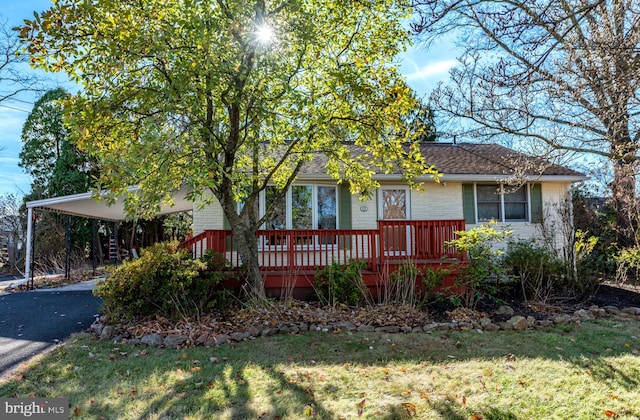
(277, 315)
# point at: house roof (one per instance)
(477, 162)
(463, 161)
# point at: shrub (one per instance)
(341, 283)
(535, 264)
(483, 263)
(165, 280)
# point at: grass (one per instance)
(579, 371)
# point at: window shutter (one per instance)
(535, 190)
(344, 206)
(468, 204)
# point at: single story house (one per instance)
(321, 221)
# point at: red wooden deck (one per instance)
(289, 258)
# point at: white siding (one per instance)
(554, 202)
(207, 217)
(437, 202)
(364, 219)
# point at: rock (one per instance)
(96, 328)
(202, 338)
(438, 326)
(217, 340)
(132, 341)
(239, 336)
(491, 327)
(344, 326)
(154, 340)
(304, 327)
(545, 322)
(172, 341)
(505, 310)
(465, 326)
(366, 328)
(416, 330)
(266, 332)
(484, 321)
(531, 321)
(406, 329)
(613, 310)
(107, 332)
(597, 312)
(562, 319)
(631, 311)
(253, 332)
(388, 329)
(504, 326)
(583, 315)
(518, 323)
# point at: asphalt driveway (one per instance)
(31, 322)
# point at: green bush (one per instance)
(479, 274)
(338, 283)
(536, 266)
(165, 280)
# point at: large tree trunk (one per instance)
(623, 195)
(247, 243)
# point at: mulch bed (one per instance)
(313, 314)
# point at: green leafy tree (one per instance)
(229, 97)
(57, 168)
(56, 165)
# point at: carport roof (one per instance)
(85, 205)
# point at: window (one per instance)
(303, 207)
(503, 205)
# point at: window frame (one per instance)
(502, 203)
(314, 215)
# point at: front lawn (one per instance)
(578, 371)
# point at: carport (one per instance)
(88, 206)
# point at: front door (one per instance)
(394, 203)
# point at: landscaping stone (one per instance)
(406, 329)
(366, 328)
(153, 340)
(388, 329)
(107, 332)
(202, 338)
(583, 315)
(491, 327)
(96, 328)
(518, 323)
(613, 310)
(345, 326)
(545, 322)
(239, 336)
(266, 332)
(562, 319)
(304, 327)
(172, 341)
(505, 310)
(631, 311)
(221, 339)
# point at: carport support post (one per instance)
(28, 272)
(67, 248)
(94, 250)
(115, 237)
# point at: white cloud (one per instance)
(431, 70)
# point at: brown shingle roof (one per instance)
(471, 159)
(488, 159)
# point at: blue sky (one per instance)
(423, 69)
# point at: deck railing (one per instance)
(300, 249)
